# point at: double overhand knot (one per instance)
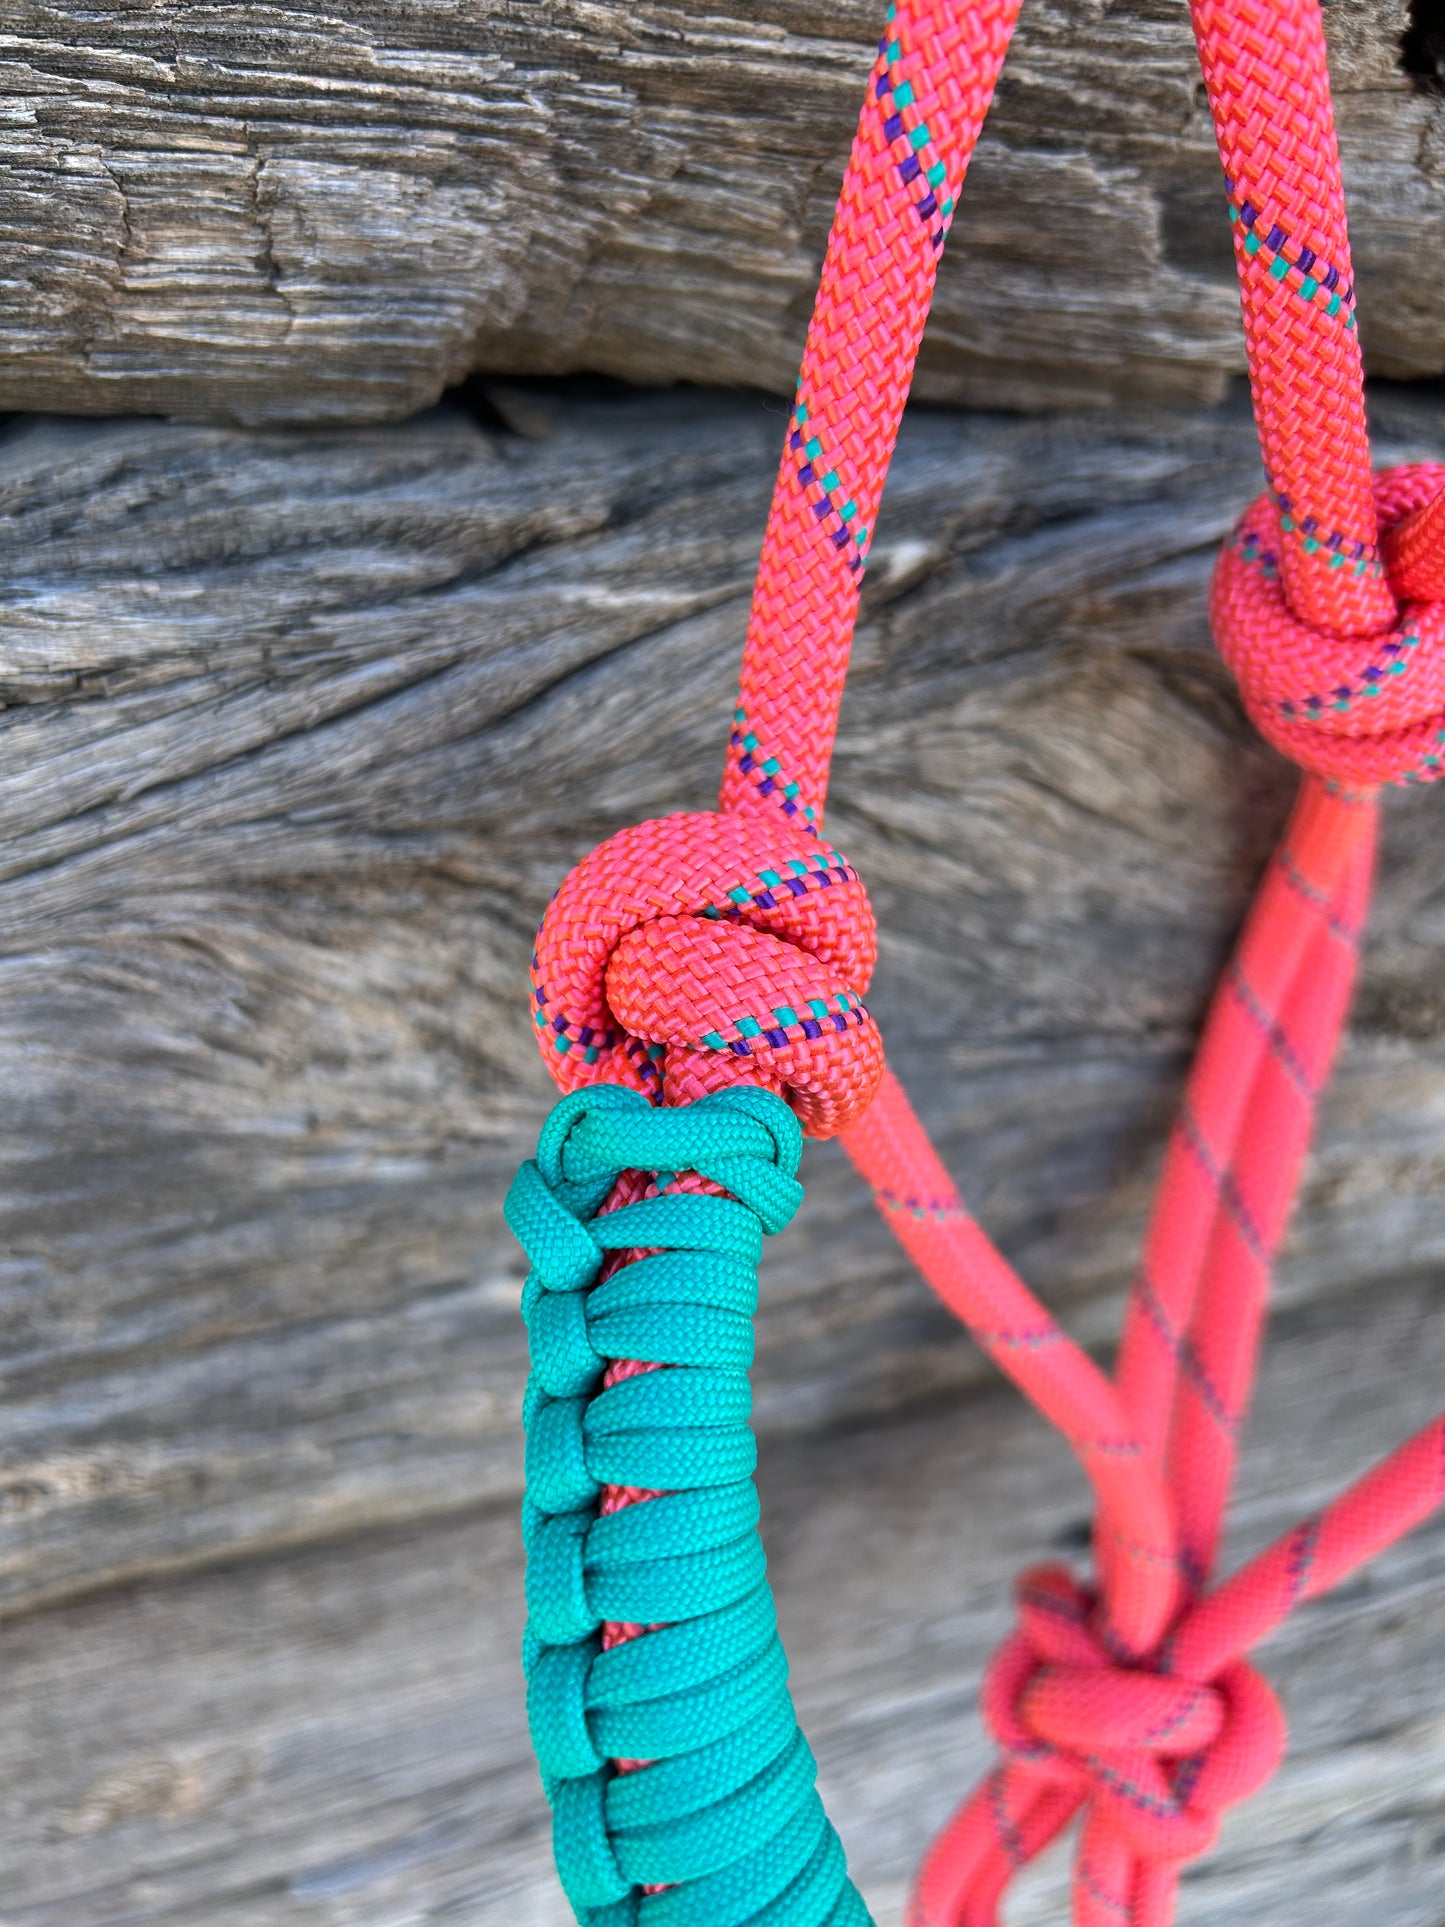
(697, 951)
(1359, 710)
(1157, 1757)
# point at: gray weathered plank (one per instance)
(301, 730)
(305, 212)
(335, 1738)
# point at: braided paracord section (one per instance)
(725, 1821)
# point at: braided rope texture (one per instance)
(725, 1826)
(1363, 710)
(1267, 78)
(927, 97)
(699, 957)
(1182, 1383)
(698, 951)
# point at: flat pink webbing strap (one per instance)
(700, 950)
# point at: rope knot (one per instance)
(697, 951)
(1156, 1756)
(1360, 710)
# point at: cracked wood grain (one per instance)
(335, 1737)
(300, 732)
(306, 213)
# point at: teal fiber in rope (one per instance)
(725, 1819)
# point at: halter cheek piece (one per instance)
(699, 995)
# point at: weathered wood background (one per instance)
(303, 720)
(298, 211)
(301, 731)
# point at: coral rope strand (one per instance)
(927, 96)
(929, 91)
(701, 952)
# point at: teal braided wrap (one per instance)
(726, 1819)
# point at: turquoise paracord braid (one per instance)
(726, 1819)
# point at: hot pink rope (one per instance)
(701, 950)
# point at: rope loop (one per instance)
(1360, 710)
(1156, 1756)
(698, 951)
(681, 1787)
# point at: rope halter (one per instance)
(714, 968)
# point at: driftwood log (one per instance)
(295, 212)
(300, 730)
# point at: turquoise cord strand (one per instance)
(726, 1819)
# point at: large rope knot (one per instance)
(1361, 710)
(697, 951)
(1157, 1756)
